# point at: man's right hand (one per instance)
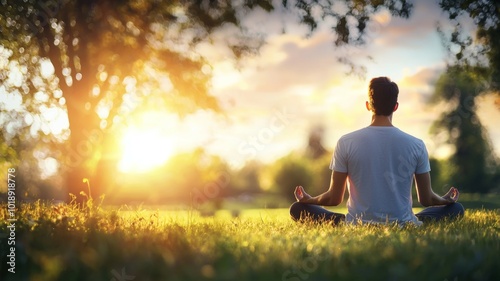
(452, 195)
(300, 194)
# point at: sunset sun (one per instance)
(144, 149)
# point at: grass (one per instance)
(93, 243)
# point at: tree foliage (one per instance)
(484, 49)
(473, 164)
(295, 169)
(287, 173)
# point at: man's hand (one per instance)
(300, 194)
(452, 195)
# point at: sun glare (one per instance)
(144, 149)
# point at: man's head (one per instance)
(382, 96)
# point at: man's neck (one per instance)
(381, 121)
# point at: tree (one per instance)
(473, 164)
(315, 148)
(290, 171)
(485, 49)
(102, 58)
(246, 179)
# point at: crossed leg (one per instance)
(437, 213)
(300, 211)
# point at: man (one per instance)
(380, 163)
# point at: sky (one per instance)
(295, 84)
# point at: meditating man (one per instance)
(380, 162)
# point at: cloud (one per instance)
(419, 86)
(290, 70)
(420, 27)
(303, 62)
(410, 32)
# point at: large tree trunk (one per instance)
(106, 169)
(84, 143)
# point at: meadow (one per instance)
(63, 242)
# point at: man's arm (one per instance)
(426, 195)
(332, 197)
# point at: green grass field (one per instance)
(67, 243)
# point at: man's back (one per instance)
(380, 162)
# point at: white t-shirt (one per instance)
(380, 163)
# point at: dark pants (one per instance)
(437, 213)
(300, 211)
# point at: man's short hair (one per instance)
(383, 95)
